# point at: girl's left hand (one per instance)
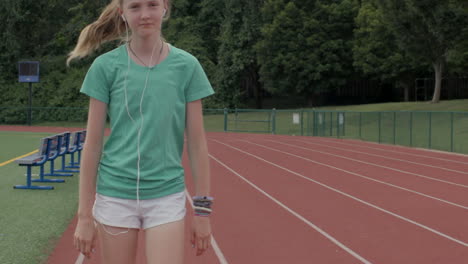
(201, 234)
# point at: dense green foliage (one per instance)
(250, 49)
(427, 30)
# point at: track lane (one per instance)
(439, 158)
(250, 228)
(442, 217)
(403, 236)
(444, 174)
(391, 175)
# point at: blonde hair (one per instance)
(109, 26)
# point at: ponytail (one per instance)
(108, 27)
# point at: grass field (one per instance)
(451, 105)
(442, 126)
(31, 221)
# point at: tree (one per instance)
(375, 50)
(194, 26)
(306, 46)
(427, 30)
(237, 59)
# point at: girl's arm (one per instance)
(198, 155)
(85, 232)
(197, 148)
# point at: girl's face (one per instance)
(144, 17)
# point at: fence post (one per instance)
(380, 114)
(337, 125)
(225, 119)
(394, 127)
(430, 130)
(302, 122)
(273, 121)
(314, 127)
(451, 131)
(235, 118)
(344, 123)
(360, 125)
(411, 130)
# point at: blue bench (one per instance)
(59, 149)
(38, 159)
(76, 146)
(65, 148)
(51, 148)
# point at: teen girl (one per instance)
(151, 92)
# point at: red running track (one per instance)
(282, 199)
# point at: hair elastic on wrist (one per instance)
(202, 215)
(202, 198)
(202, 209)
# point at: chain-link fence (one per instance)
(42, 115)
(447, 131)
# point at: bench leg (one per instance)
(63, 169)
(73, 164)
(42, 179)
(29, 185)
(53, 172)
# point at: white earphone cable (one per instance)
(139, 129)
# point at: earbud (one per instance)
(123, 18)
(164, 12)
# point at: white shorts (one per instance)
(126, 213)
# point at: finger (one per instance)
(200, 246)
(75, 245)
(192, 239)
(78, 245)
(87, 249)
(93, 245)
(207, 242)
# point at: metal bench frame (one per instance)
(55, 152)
(38, 159)
(76, 146)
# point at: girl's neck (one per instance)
(148, 52)
(147, 45)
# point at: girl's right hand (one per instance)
(85, 236)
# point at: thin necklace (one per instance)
(133, 52)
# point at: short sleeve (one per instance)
(95, 83)
(198, 86)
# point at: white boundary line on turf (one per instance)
(384, 157)
(370, 163)
(217, 250)
(401, 152)
(332, 239)
(353, 197)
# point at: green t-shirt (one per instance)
(177, 80)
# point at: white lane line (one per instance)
(332, 239)
(217, 250)
(369, 163)
(362, 176)
(385, 157)
(401, 152)
(80, 259)
(352, 197)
